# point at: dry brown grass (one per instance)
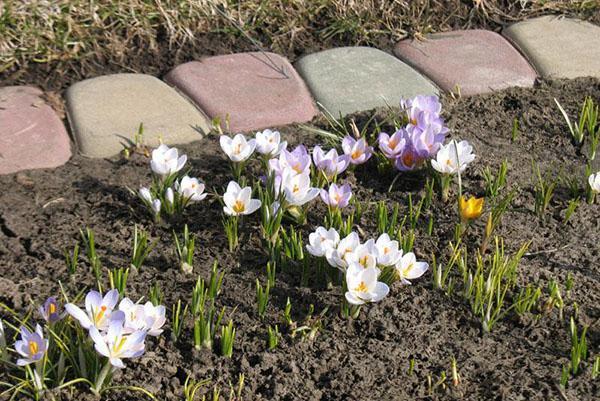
(57, 42)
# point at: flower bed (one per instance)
(304, 312)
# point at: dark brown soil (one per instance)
(41, 213)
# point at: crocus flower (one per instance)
(116, 345)
(364, 255)
(391, 146)
(146, 317)
(426, 142)
(337, 196)
(169, 196)
(408, 268)
(50, 311)
(269, 143)
(388, 251)
(338, 257)
(470, 209)
(156, 204)
(594, 181)
(191, 189)
(98, 309)
(424, 113)
(322, 241)
(363, 286)
(238, 148)
(146, 195)
(298, 161)
(359, 151)
(166, 161)
(2, 340)
(330, 164)
(446, 161)
(32, 346)
(297, 189)
(238, 200)
(409, 159)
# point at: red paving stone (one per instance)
(31, 133)
(478, 61)
(247, 87)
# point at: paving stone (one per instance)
(31, 133)
(478, 61)
(105, 113)
(558, 47)
(350, 79)
(257, 90)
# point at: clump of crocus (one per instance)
(237, 201)
(117, 334)
(452, 159)
(375, 264)
(170, 192)
(238, 149)
(419, 137)
(594, 186)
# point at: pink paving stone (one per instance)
(478, 61)
(31, 133)
(257, 90)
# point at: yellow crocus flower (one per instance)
(470, 209)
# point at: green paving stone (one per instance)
(350, 79)
(105, 113)
(558, 47)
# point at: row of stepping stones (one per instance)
(252, 91)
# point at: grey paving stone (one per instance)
(351, 79)
(105, 113)
(558, 47)
(31, 133)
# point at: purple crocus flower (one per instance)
(32, 346)
(359, 151)
(426, 142)
(392, 146)
(337, 196)
(50, 311)
(424, 114)
(297, 160)
(330, 163)
(409, 159)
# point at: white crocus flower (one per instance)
(297, 189)
(166, 161)
(156, 206)
(322, 241)
(238, 200)
(408, 268)
(388, 251)
(594, 181)
(145, 317)
(365, 255)
(446, 161)
(191, 189)
(145, 194)
(338, 257)
(269, 143)
(238, 148)
(363, 286)
(98, 309)
(116, 345)
(169, 196)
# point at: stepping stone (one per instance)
(558, 47)
(350, 79)
(478, 61)
(31, 133)
(256, 90)
(105, 114)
